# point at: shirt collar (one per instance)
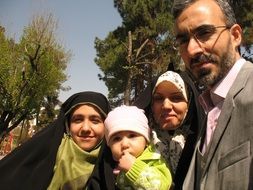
(210, 98)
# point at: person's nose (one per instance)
(167, 104)
(194, 47)
(125, 143)
(85, 126)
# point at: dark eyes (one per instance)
(77, 119)
(202, 34)
(118, 137)
(80, 118)
(173, 98)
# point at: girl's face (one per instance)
(86, 127)
(127, 141)
(169, 106)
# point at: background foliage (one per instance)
(32, 71)
(142, 46)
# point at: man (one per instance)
(208, 39)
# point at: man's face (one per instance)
(207, 46)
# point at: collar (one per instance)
(211, 97)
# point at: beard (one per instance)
(208, 77)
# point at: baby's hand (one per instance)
(126, 161)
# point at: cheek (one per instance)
(140, 148)
(181, 109)
(156, 109)
(74, 128)
(115, 151)
(99, 130)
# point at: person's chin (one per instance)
(86, 148)
(87, 144)
(168, 126)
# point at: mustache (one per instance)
(202, 58)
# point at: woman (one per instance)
(175, 115)
(68, 154)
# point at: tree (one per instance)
(32, 70)
(129, 61)
(140, 48)
(244, 16)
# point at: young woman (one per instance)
(68, 154)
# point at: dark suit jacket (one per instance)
(229, 162)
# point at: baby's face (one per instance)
(127, 141)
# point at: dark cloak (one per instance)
(30, 166)
(192, 123)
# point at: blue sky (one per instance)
(79, 22)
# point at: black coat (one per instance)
(192, 122)
(30, 166)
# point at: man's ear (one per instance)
(236, 34)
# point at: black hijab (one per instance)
(31, 165)
(191, 123)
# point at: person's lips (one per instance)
(202, 60)
(166, 116)
(86, 137)
(200, 65)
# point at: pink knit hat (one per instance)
(126, 118)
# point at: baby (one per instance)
(140, 166)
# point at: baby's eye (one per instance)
(133, 135)
(115, 139)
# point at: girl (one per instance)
(68, 154)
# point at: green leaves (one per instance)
(131, 54)
(33, 70)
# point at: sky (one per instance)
(79, 22)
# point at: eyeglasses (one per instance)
(201, 34)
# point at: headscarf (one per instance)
(177, 158)
(175, 79)
(31, 165)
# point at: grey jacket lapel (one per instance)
(226, 111)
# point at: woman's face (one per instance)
(86, 127)
(169, 106)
